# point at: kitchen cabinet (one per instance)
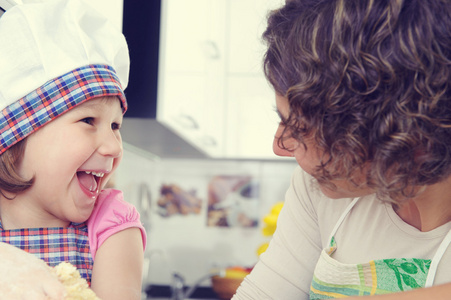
(252, 126)
(191, 89)
(206, 84)
(213, 90)
(246, 22)
(251, 121)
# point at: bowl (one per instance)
(225, 287)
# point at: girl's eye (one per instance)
(88, 120)
(115, 126)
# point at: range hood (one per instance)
(149, 135)
(5, 5)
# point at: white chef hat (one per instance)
(55, 55)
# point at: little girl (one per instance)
(63, 71)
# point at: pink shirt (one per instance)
(111, 214)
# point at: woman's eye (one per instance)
(283, 123)
(283, 120)
(115, 126)
(88, 120)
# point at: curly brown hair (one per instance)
(370, 79)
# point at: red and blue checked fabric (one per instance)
(54, 98)
(55, 245)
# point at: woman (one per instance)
(362, 90)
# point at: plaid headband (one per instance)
(54, 98)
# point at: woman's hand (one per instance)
(24, 276)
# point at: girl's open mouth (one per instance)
(90, 181)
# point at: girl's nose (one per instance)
(110, 144)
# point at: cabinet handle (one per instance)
(187, 121)
(211, 50)
(209, 141)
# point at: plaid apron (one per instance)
(54, 245)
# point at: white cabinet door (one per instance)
(186, 28)
(251, 121)
(212, 90)
(246, 23)
(191, 72)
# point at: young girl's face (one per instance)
(72, 158)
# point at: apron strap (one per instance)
(436, 259)
(342, 217)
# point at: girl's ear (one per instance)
(11, 182)
(6, 195)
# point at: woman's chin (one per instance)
(339, 193)
(333, 194)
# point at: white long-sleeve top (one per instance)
(371, 231)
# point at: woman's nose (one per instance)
(284, 146)
(279, 149)
(110, 144)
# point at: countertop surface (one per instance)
(163, 298)
(164, 292)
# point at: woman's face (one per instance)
(308, 156)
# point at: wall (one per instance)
(184, 243)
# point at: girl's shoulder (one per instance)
(111, 214)
(109, 196)
(111, 209)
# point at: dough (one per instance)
(24, 276)
(76, 287)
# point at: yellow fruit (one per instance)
(262, 248)
(235, 273)
(275, 210)
(270, 224)
(270, 219)
(268, 230)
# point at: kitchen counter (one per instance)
(163, 292)
(169, 298)
(184, 299)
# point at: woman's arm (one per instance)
(117, 270)
(285, 270)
